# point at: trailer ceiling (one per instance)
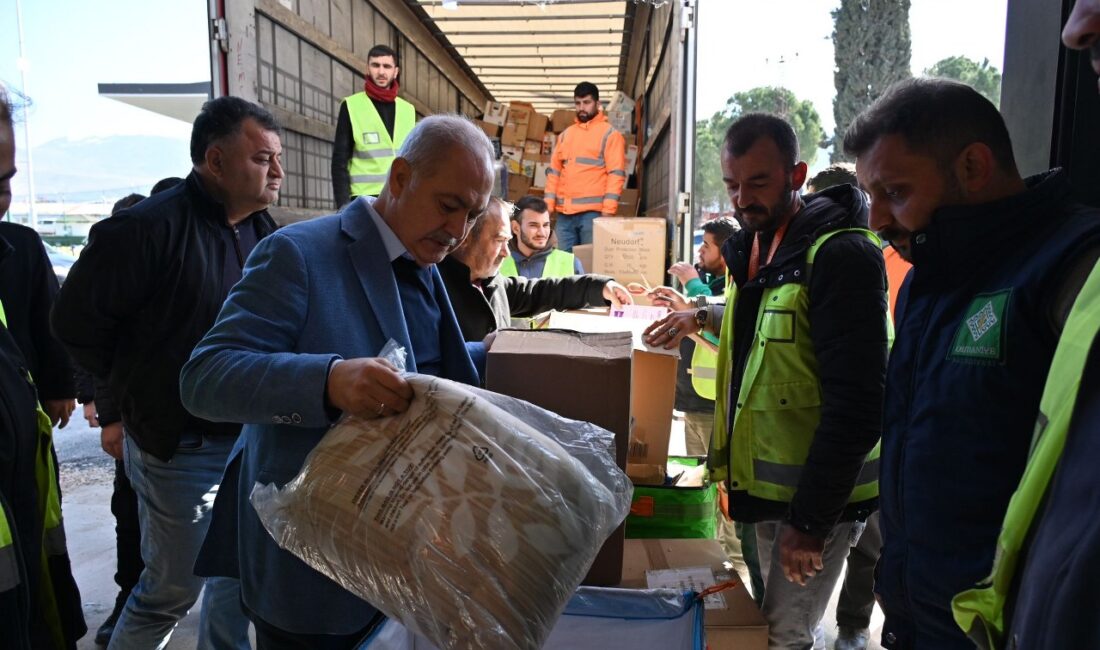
(535, 51)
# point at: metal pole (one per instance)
(26, 121)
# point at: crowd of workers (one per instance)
(217, 350)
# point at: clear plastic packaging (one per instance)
(471, 518)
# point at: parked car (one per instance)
(60, 261)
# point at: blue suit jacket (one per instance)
(311, 292)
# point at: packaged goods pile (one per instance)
(471, 518)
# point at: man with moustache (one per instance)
(1043, 578)
(803, 343)
(146, 288)
(997, 264)
(297, 345)
(370, 128)
(485, 301)
(587, 170)
(532, 256)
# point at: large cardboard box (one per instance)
(631, 158)
(630, 249)
(548, 140)
(511, 153)
(518, 184)
(628, 203)
(733, 622)
(513, 135)
(532, 149)
(519, 113)
(490, 129)
(536, 126)
(620, 102)
(540, 174)
(562, 119)
(621, 121)
(495, 113)
(583, 252)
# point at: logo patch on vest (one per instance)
(371, 137)
(980, 337)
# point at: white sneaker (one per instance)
(851, 638)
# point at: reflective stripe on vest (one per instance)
(779, 404)
(980, 611)
(375, 150)
(559, 264)
(9, 565)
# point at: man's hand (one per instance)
(669, 297)
(800, 554)
(670, 330)
(368, 388)
(91, 415)
(683, 272)
(59, 410)
(617, 294)
(110, 438)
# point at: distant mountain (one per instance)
(92, 168)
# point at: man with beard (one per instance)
(801, 363)
(532, 255)
(587, 170)
(485, 301)
(1044, 578)
(997, 263)
(370, 128)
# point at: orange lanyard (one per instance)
(754, 256)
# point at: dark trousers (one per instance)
(129, 565)
(269, 637)
(857, 595)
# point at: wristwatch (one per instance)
(702, 316)
(701, 301)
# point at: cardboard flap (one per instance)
(593, 323)
(610, 345)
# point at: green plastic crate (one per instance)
(660, 512)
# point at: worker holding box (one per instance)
(587, 170)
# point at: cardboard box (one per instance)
(631, 159)
(519, 113)
(630, 249)
(620, 102)
(623, 122)
(529, 170)
(548, 140)
(495, 113)
(628, 203)
(532, 149)
(540, 174)
(511, 153)
(735, 625)
(537, 191)
(513, 136)
(536, 126)
(583, 252)
(490, 129)
(562, 119)
(518, 185)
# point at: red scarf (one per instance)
(378, 93)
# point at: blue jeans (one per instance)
(574, 229)
(174, 502)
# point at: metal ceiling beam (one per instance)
(513, 3)
(516, 32)
(536, 45)
(495, 75)
(496, 66)
(614, 58)
(463, 19)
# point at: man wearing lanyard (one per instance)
(801, 371)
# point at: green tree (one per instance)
(982, 77)
(872, 48)
(710, 190)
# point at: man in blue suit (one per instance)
(296, 346)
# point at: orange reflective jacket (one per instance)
(587, 169)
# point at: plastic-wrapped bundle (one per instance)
(464, 518)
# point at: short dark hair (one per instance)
(222, 117)
(532, 203)
(587, 89)
(936, 117)
(383, 50)
(721, 229)
(165, 184)
(126, 201)
(6, 108)
(749, 128)
(835, 174)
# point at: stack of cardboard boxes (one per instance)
(524, 142)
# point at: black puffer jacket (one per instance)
(143, 293)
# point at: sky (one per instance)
(73, 45)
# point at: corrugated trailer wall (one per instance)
(300, 58)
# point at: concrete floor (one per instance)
(86, 487)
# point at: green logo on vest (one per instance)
(980, 337)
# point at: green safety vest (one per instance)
(53, 533)
(980, 611)
(374, 149)
(779, 405)
(559, 264)
(704, 362)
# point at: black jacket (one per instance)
(485, 310)
(343, 148)
(28, 286)
(848, 307)
(145, 290)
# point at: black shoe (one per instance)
(103, 634)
